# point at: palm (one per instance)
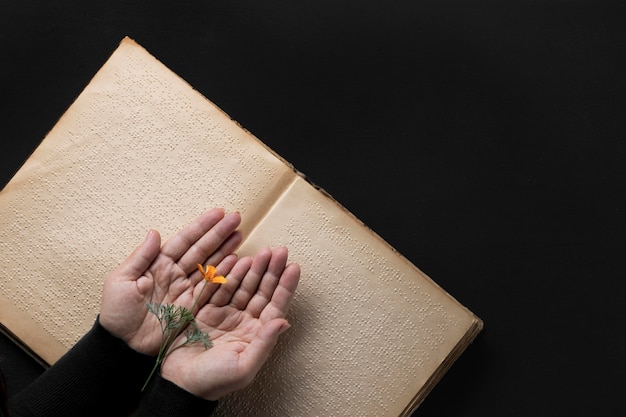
(165, 283)
(230, 340)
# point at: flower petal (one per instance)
(210, 272)
(218, 280)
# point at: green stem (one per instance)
(158, 360)
(156, 364)
(166, 342)
(195, 302)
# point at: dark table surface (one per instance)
(485, 140)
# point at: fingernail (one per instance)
(284, 328)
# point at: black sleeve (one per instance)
(165, 399)
(101, 372)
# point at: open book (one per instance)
(140, 148)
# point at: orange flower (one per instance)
(209, 274)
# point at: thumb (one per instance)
(261, 346)
(141, 258)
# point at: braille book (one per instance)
(140, 148)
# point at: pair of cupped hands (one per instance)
(244, 317)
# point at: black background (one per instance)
(482, 139)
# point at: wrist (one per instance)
(185, 381)
(167, 398)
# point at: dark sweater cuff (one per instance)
(100, 369)
(164, 398)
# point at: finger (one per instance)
(250, 283)
(261, 346)
(283, 295)
(223, 295)
(229, 246)
(214, 244)
(268, 283)
(179, 244)
(227, 249)
(140, 259)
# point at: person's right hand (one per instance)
(244, 318)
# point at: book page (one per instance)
(368, 328)
(138, 149)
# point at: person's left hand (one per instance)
(165, 275)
